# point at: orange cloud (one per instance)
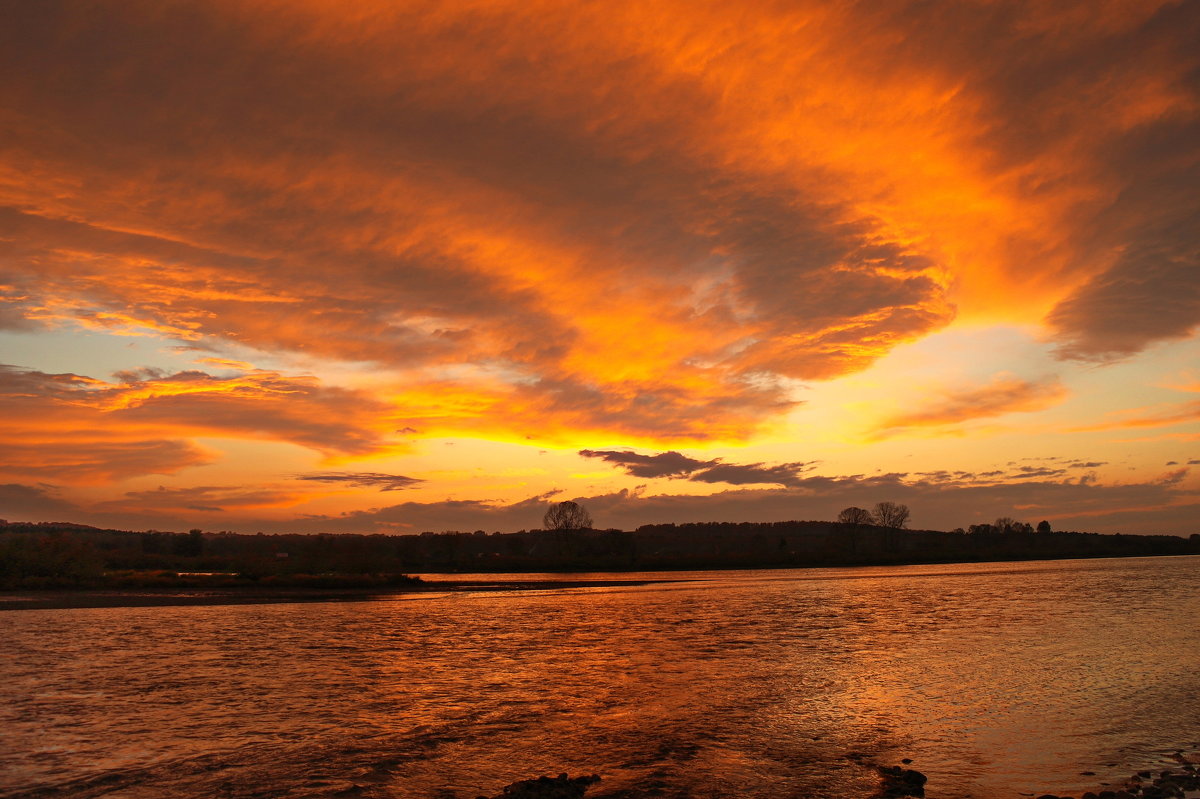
(81, 429)
(1004, 394)
(626, 216)
(1163, 416)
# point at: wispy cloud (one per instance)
(205, 499)
(77, 428)
(384, 482)
(1004, 394)
(677, 466)
(1163, 416)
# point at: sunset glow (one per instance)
(404, 266)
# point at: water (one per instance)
(996, 679)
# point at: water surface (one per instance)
(996, 679)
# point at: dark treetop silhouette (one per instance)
(854, 515)
(567, 516)
(890, 514)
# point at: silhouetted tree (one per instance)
(190, 545)
(890, 514)
(1007, 525)
(567, 516)
(1043, 526)
(854, 516)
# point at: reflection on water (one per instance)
(995, 679)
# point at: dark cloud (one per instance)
(384, 482)
(664, 464)
(1001, 476)
(207, 499)
(86, 456)
(1148, 296)
(677, 466)
(1035, 471)
(19, 502)
(784, 474)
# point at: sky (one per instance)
(315, 266)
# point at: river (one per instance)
(997, 680)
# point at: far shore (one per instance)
(258, 594)
(65, 598)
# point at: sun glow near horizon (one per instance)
(416, 266)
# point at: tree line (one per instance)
(65, 555)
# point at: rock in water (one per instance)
(896, 781)
(560, 787)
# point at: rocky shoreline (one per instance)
(1165, 784)
(897, 781)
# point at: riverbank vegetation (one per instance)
(47, 555)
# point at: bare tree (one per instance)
(854, 516)
(854, 519)
(567, 516)
(890, 514)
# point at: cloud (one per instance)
(463, 514)
(1146, 297)
(1164, 416)
(784, 474)
(620, 206)
(384, 482)
(77, 428)
(675, 465)
(938, 500)
(1164, 504)
(664, 464)
(1033, 471)
(1004, 394)
(206, 499)
(553, 223)
(1041, 469)
(19, 501)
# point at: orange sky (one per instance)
(301, 266)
